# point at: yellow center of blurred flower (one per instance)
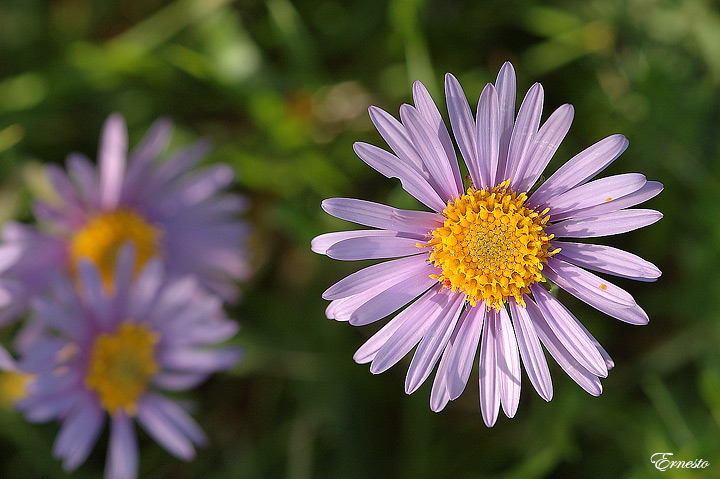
(13, 387)
(121, 366)
(101, 238)
(491, 246)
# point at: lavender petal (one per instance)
(464, 348)
(396, 136)
(111, 161)
(586, 287)
(523, 135)
(508, 362)
(321, 243)
(489, 387)
(429, 111)
(431, 151)
(488, 136)
(388, 272)
(463, 126)
(160, 428)
(369, 350)
(585, 379)
(375, 248)
(79, 433)
(591, 287)
(530, 350)
(433, 343)
(580, 168)
(647, 191)
(593, 193)
(439, 396)
(563, 325)
(606, 259)
(392, 299)
(390, 166)
(604, 225)
(544, 146)
(505, 84)
(122, 457)
(421, 315)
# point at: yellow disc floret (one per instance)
(13, 387)
(491, 246)
(121, 366)
(101, 238)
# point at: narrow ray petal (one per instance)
(593, 193)
(563, 324)
(463, 125)
(546, 143)
(580, 168)
(412, 180)
(432, 344)
(374, 247)
(447, 372)
(429, 111)
(180, 419)
(81, 171)
(94, 294)
(122, 457)
(524, 131)
(530, 350)
(508, 364)
(160, 428)
(321, 243)
(606, 259)
(489, 387)
(608, 360)
(439, 396)
(594, 288)
(604, 225)
(382, 216)
(392, 299)
(142, 157)
(431, 151)
(649, 190)
(78, 434)
(488, 136)
(506, 90)
(589, 288)
(368, 351)
(464, 349)
(585, 379)
(395, 135)
(63, 187)
(390, 272)
(342, 309)
(422, 313)
(111, 160)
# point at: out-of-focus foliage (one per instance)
(281, 87)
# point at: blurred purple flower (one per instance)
(111, 353)
(477, 263)
(163, 207)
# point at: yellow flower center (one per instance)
(491, 246)
(121, 366)
(13, 387)
(101, 238)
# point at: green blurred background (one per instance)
(282, 89)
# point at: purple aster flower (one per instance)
(475, 269)
(163, 207)
(111, 354)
